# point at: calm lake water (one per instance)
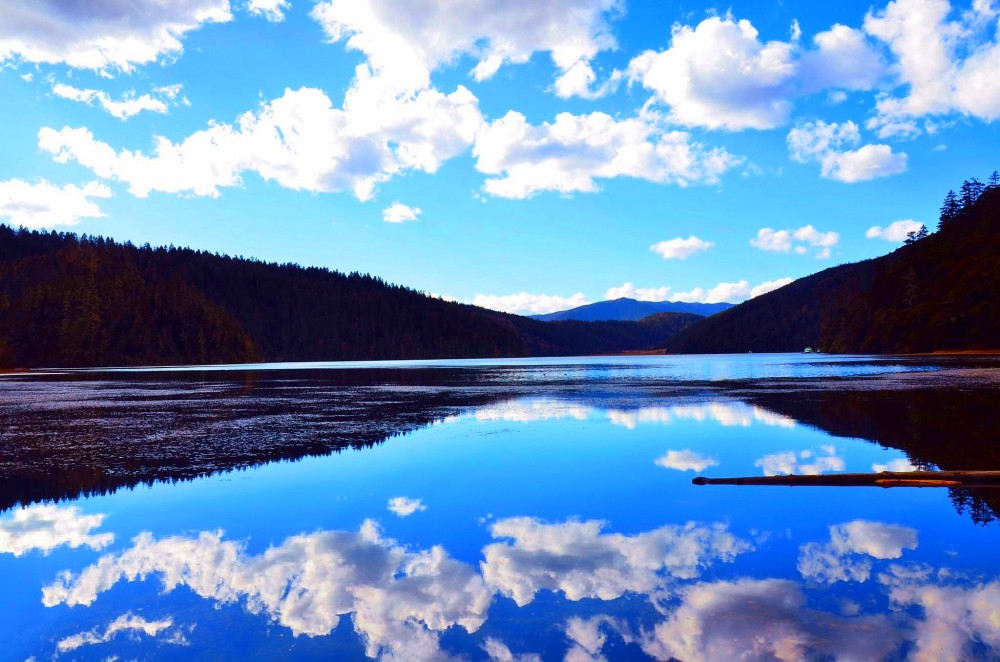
(505, 510)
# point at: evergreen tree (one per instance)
(950, 209)
(922, 232)
(994, 181)
(971, 190)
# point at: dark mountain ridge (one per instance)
(940, 292)
(88, 301)
(625, 309)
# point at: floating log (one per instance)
(883, 479)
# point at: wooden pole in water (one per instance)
(883, 479)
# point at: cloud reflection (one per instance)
(807, 462)
(686, 460)
(46, 527)
(838, 560)
(763, 620)
(725, 413)
(399, 599)
(578, 560)
(126, 623)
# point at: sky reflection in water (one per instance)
(546, 526)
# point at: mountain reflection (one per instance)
(401, 600)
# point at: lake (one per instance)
(499, 510)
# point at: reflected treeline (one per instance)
(953, 429)
(87, 434)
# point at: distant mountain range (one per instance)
(629, 309)
(941, 292)
(88, 301)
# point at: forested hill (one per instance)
(938, 292)
(69, 301)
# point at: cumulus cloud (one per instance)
(578, 560)
(271, 10)
(404, 43)
(298, 140)
(895, 231)
(721, 293)
(807, 462)
(43, 528)
(524, 303)
(686, 460)
(826, 144)
(783, 241)
(720, 75)
(763, 619)
(630, 291)
(45, 205)
(128, 106)
(104, 36)
(570, 154)
(397, 212)
(589, 635)
(403, 506)
(838, 560)
(943, 66)
(126, 623)
(769, 286)
(680, 248)
(399, 600)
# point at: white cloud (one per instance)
(45, 205)
(45, 527)
(721, 76)
(807, 462)
(398, 599)
(825, 144)
(783, 241)
(104, 36)
(403, 506)
(630, 291)
(721, 293)
(524, 303)
(763, 620)
(680, 248)
(400, 213)
(404, 43)
(272, 10)
(944, 66)
(686, 460)
(580, 561)
(568, 155)
(769, 286)
(127, 623)
(298, 140)
(895, 231)
(128, 106)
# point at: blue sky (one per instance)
(524, 155)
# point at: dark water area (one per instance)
(512, 510)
